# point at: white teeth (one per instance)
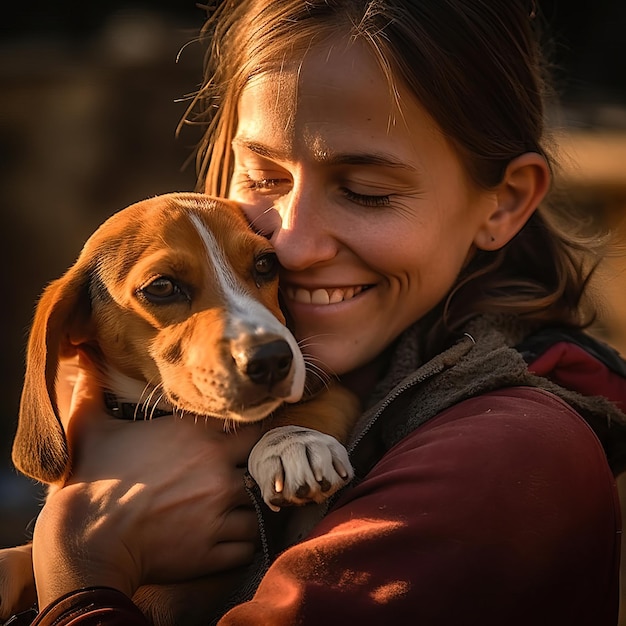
(320, 296)
(323, 296)
(302, 295)
(336, 296)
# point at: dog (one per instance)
(175, 299)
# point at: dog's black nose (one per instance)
(269, 363)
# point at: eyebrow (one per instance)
(356, 158)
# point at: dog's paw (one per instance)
(296, 465)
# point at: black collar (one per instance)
(129, 410)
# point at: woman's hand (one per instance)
(148, 501)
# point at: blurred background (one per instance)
(90, 98)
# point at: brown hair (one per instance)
(477, 68)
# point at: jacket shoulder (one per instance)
(577, 361)
(537, 344)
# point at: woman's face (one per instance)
(367, 204)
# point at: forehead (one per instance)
(171, 230)
(336, 97)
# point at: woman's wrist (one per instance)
(89, 606)
(72, 549)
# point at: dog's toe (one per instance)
(314, 466)
(303, 491)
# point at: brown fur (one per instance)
(97, 307)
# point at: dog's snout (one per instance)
(268, 363)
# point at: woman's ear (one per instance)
(525, 183)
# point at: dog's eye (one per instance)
(163, 290)
(265, 267)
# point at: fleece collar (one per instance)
(485, 358)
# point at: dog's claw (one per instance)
(314, 466)
(279, 485)
(302, 492)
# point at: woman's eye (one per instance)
(163, 290)
(365, 200)
(265, 184)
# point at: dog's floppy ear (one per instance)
(61, 320)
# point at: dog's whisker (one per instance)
(317, 363)
(307, 340)
(252, 223)
(148, 404)
(178, 413)
(311, 389)
(155, 405)
(304, 344)
(316, 366)
(143, 402)
(230, 426)
(324, 380)
(148, 389)
(318, 372)
(149, 399)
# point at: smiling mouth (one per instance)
(324, 296)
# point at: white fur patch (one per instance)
(247, 316)
(295, 465)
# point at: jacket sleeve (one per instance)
(95, 606)
(502, 510)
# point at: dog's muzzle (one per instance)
(266, 364)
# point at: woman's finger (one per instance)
(229, 554)
(240, 524)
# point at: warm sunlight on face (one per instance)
(368, 205)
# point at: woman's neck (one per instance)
(363, 380)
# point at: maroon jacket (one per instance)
(501, 509)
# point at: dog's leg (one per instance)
(302, 459)
(17, 582)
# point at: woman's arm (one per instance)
(148, 502)
(501, 510)
(96, 606)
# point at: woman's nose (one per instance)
(303, 234)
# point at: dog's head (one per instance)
(175, 297)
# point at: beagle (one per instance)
(175, 299)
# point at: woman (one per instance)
(394, 152)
